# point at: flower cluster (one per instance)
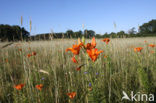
(139, 49)
(20, 86)
(89, 48)
(32, 54)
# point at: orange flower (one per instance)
(29, 55)
(152, 52)
(138, 49)
(145, 41)
(71, 95)
(151, 45)
(93, 53)
(20, 49)
(90, 45)
(6, 60)
(105, 56)
(90, 89)
(39, 87)
(75, 49)
(33, 53)
(79, 68)
(93, 43)
(106, 40)
(74, 60)
(19, 86)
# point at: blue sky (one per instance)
(61, 15)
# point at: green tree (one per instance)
(105, 35)
(149, 27)
(121, 34)
(12, 33)
(78, 34)
(113, 35)
(89, 33)
(70, 33)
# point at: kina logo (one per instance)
(137, 97)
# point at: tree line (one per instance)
(13, 33)
(16, 33)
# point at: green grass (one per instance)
(122, 70)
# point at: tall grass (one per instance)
(101, 81)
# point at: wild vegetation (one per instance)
(77, 71)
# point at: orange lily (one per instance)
(71, 95)
(93, 43)
(93, 53)
(6, 60)
(74, 59)
(79, 68)
(33, 53)
(20, 49)
(151, 45)
(90, 45)
(39, 87)
(152, 52)
(29, 55)
(75, 49)
(105, 56)
(19, 86)
(90, 89)
(138, 49)
(106, 40)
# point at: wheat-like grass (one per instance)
(122, 69)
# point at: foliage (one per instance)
(148, 28)
(12, 33)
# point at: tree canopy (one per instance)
(15, 33)
(149, 27)
(12, 33)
